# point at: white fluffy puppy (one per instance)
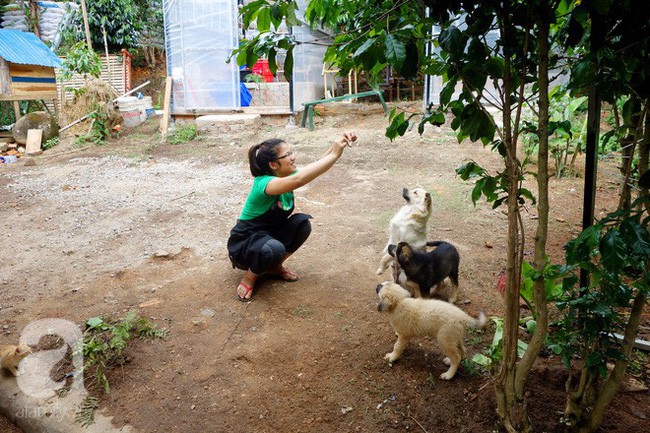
(418, 317)
(409, 224)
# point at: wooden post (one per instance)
(108, 59)
(33, 16)
(164, 122)
(17, 109)
(84, 12)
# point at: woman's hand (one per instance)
(341, 143)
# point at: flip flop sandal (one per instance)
(248, 290)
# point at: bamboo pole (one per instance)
(84, 12)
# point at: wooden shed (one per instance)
(26, 69)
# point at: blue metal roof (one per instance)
(26, 48)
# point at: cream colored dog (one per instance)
(418, 317)
(409, 224)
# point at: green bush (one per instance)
(104, 342)
(183, 135)
(54, 141)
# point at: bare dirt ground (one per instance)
(140, 224)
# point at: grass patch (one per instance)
(302, 312)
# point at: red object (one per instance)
(501, 283)
(262, 68)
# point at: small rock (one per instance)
(346, 409)
(161, 253)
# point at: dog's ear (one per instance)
(391, 250)
(381, 307)
(404, 251)
(387, 300)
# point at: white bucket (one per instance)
(130, 109)
(147, 106)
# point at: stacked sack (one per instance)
(53, 17)
(14, 17)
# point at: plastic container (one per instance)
(147, 107)
(8, 159)
(130, 110)
(262, 68)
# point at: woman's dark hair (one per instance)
(260, 155)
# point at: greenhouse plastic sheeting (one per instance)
(199, 37)
(307, 62)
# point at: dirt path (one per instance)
(141, 225)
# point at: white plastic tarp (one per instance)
(199, 37)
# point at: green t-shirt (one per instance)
(258, 202)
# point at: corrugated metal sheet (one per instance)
(25, 48)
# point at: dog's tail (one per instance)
(479, 322)
(435, 243)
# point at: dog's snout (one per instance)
(406, 195)
(378, 288)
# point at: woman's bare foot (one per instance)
(284, 274)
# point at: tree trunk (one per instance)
(539, 289)
(511, 407)
(606, 392)
(627, 153)
(644, 155)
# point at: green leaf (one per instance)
(264, 20)
(531, 326)
(447, 92)
(476, 192)
(481, 360)
(362, 49)
(451, 40)
(521, 348)
(273, 66)
(94, 322)
(411, 62)
(290, 17)
(594, 359)
(495, 67)
(614, 251)
(288, 65)
(395, 51)
(469, 170)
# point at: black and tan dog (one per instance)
(424, 272)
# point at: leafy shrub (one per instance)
(81, 60)
(183, 135)
(104, 343)
(54, 141)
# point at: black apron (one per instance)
(248, 236)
